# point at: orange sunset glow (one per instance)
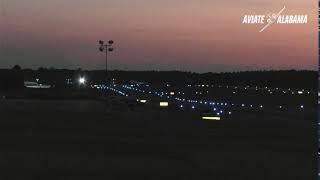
(188, 35)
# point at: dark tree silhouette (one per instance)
(11, 79)
(57, 77)
(16, 68)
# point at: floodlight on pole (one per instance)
(106, 47)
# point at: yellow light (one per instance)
(171, 93)
(300, 92)
(164, 104)
(211, 118)
(143, 101)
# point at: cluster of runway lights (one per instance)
(82, 81)
(162, 94)
(216, 106)
(166, 104)
(269, 90)
(117, 91)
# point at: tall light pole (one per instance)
(106, 47)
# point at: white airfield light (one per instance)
(82, 80)
(143, 101)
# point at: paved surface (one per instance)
(84, 140)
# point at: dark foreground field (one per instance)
(82, 139)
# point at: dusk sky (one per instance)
(189, 35)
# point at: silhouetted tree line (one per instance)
(285, 79)
(14, 78)
(11, 79)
